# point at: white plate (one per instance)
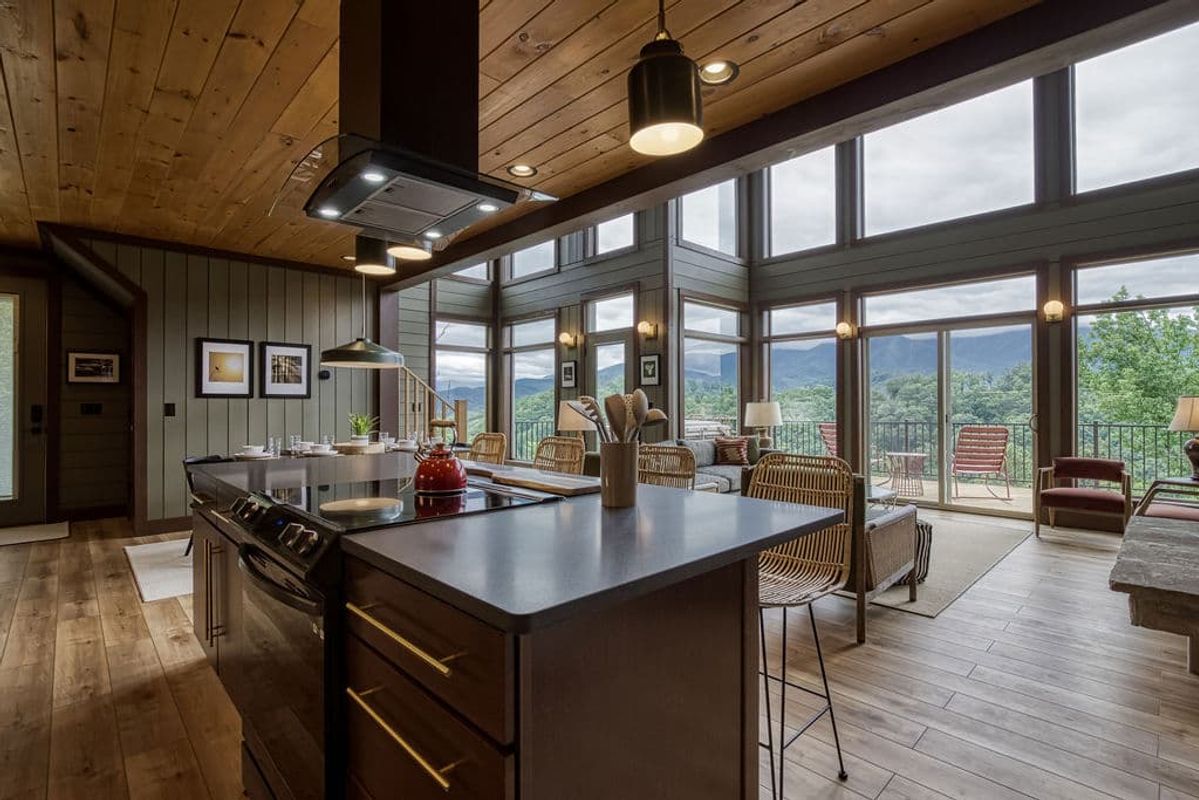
(255, 456)
(323, 453)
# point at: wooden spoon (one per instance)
(614, 405)
(630, 421)
(640, 406)
(654, 416)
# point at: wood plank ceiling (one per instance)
(181, 119)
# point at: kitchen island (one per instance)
(551, 650)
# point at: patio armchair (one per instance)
(981, 450)
(828, 435)
(1051, 497)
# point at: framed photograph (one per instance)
(285, 370)
(651, 368)
(569, 374)
(93, 368)
(224, 368)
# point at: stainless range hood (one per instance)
(405, 165)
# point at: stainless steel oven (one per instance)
(278, 683)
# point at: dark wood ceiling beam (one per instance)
(1041, 39)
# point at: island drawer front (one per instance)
(403, 743)
(461, 660)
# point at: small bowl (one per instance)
(252, 450)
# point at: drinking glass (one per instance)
(327, 439)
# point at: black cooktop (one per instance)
(362, 505)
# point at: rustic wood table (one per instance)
(1158, 567)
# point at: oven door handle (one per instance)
(284, 595)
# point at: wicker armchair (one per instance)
(666, 465)
(489, 448)
(560, 454)
(801, 571)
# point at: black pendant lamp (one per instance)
(362, 353)
(371, 257)
(666, 111)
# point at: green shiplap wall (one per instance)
(189, 295)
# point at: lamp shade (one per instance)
(362, 353)
(665, 105)
(571, 420)
(371, 257)
(1186, 416)
(763, 415)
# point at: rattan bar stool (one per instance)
(560, 454)
(666, 465)
(488, 448)
(799, 572)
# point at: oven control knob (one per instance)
(308, 542)
(291, 534)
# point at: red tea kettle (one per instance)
(439, 471)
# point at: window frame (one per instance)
(740, 342)
(740, 205)
(452, 276)
(769, 339)
(486, 352)
(591, 251)
(508, 350)
(767, 233)
(509, 260)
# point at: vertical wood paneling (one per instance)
(311, 334)
(176, 383)
(239, 324)
(218, 328)
(345, 331)
(358, 402)
(328, 339)
(293, 411)
(276, 331)
(152, 282)
(256, 305)
(197, 327)
(129, 261)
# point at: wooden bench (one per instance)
(1158, 567)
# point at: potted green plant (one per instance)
(361, 426)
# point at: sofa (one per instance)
(728, 478)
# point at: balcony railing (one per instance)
(526, 433)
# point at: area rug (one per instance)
(23, 534)
(160, 569)
(964, 549)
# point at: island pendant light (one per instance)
(665, 106)
(362, 353)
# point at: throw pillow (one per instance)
(732, 450)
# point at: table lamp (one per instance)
(763, 416)
(1186, 418)
(572, 421)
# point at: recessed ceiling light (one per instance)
(328, 211)
(373, 176)
(349, 258)
(487, 208)
(522, 170)
(432, 234)
(715, 73)
(409, 251)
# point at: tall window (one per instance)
(711, 347)
(1137, 344)
(709, 217)
(531, 367)
(803, 376)
(460, 353)
(538, 258)
(970, 158)
(615, 234)
(610, 343)
(803, 202)
(475, 271)
(1137, 110)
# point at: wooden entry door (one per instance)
(24, 414)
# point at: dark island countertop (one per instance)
(527, 567)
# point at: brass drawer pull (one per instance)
(433, 772)
(439, 664)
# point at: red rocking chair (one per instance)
(981, 450)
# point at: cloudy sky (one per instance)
(964, 300)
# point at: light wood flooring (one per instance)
(1031, 685)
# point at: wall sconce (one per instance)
(567, 339)
(647, 329)
(844, 330)
(1054, 311)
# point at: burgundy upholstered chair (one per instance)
(1053, 498)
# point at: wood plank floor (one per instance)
(1031, 685)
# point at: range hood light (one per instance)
(434, 235)
(665, 105)
(372, 176)
(487, 208)
(329, 212)
(410, 251)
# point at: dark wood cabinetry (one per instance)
(599, 706)
(216, 592)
